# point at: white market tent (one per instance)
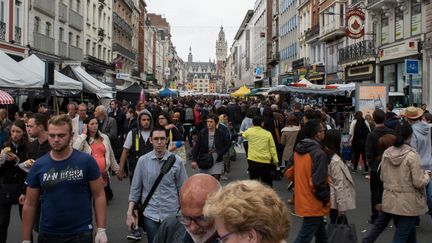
(91, 84)
(14, 76)
(63, 85)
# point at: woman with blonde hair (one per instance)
(248, 211)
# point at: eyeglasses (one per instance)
(223, 238)
(199, 220)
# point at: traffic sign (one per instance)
(412, 66)
(258, 71)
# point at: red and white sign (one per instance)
(355, 20)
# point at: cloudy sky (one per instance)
(196, 23)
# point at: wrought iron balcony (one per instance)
(2, 30)
(312, 33)
(17, 35)
(122, 24)
(123, 51)
(43, 43)
(75, 53)
(45, 6)
(354, 2)
(357, 51)
(75, 20)
(63, 13)
(63, 50)
(377, 4)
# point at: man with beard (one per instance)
(189, 226)
(71, 183)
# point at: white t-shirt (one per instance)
(128, 142)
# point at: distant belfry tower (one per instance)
(221, 50)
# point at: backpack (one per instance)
(189, 115)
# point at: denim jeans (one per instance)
(405, 229)
(312, 226)
(379, 226)
(86, 237)
(151, 227)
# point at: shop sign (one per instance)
(123, 76)
(355, 20)
(401, 50)
(412, 67)
(370, 97)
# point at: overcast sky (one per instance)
(196, 23)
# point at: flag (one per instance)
(142, 96)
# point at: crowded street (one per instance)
(117, 228)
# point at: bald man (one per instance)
(189, 225)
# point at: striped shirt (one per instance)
(165, 200)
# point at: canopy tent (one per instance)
(131, 93)
(5, 98)
(242, 91)
(258, 91)
(15, 79)
(90, 84)
(63, 85)
(336, 89)
(167, 93)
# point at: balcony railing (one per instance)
(125, 52)
(43, 43)
(122, 24)
(63, 13)
(312, 32)
(354, 2)
(75, 20)
(357, 51)
(63, 50)
(2, 30)
(45, 6)
(17, 35)
(75, 53)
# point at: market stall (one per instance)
(241, 92)
(63, 85)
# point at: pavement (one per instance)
(116, 211)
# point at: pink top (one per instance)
(98, 153)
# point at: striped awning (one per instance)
(5, 98)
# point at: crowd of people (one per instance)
(74, 154)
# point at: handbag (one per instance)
(9, 193)
(341, 232)
(205, 161)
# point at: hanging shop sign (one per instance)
(355, 20)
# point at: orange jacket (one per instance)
(310, 175)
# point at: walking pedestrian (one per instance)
(70, 183)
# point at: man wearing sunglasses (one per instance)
(189, 225)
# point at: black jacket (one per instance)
(222, 144)
(373, 155)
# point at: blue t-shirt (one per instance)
(66, 207)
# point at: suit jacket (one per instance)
(109, 127)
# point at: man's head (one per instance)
(43, 107)
(257, 121)
(378, 116)
(59, 132)
(114, 104)
(413, 114)
(3, 114)
(193, 196)
(37, 124)
(315, 129)
(389, 107)
(145, 121)
(424, 107)
(82, 111)
(159, 139)
(100, 112)
(72, 108)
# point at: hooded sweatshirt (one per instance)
(421, 142)
(310, 174)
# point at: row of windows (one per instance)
(285, 4)
(289, 52)
(48, 32)
(290, 25)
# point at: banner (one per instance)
(370, 97)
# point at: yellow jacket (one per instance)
(261, 145)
